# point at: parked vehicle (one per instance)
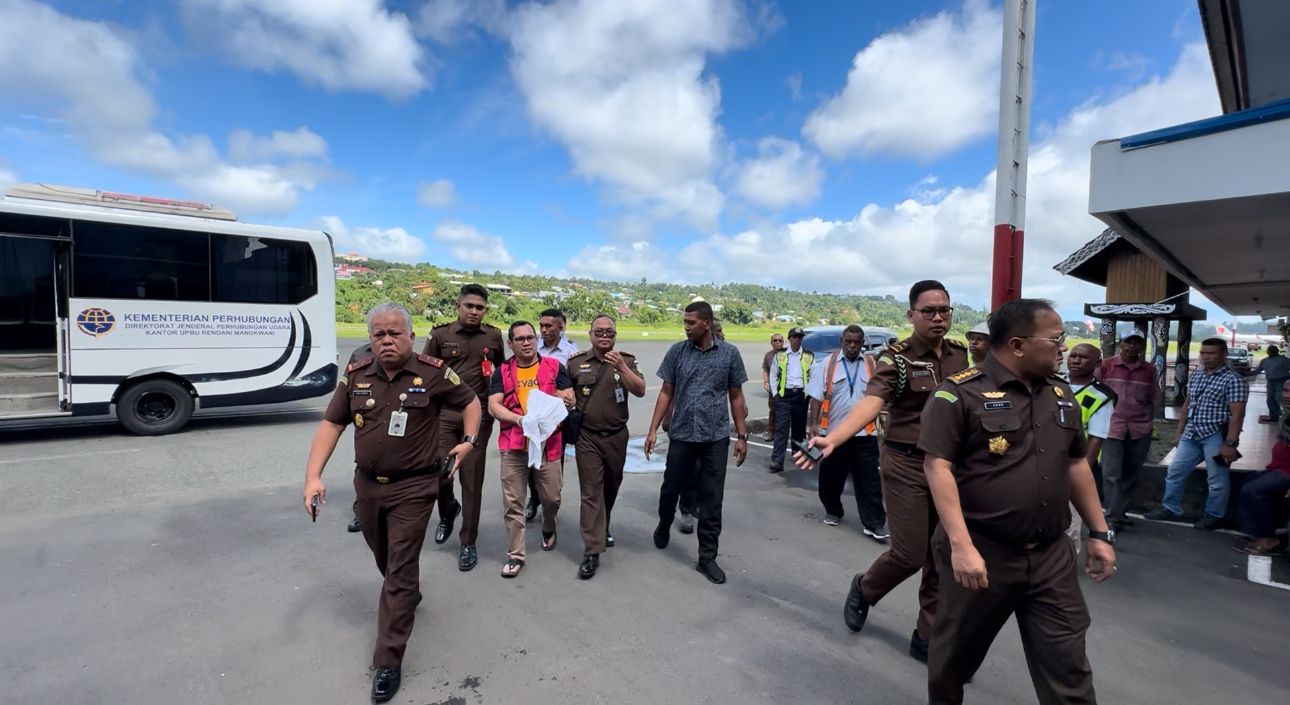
(823, 340)
(1239, 359)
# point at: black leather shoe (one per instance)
(590, 563)
(444, 530)
(918, 647)
(711, 570)
(355, 525)
(467, 559)
(530, 512)
(662, 535)
(609, 540)
(385, 683)
(856, 610)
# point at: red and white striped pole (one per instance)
(1014, 146)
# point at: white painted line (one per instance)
(1183, 524)
(759, 444)
(1259, 570)
(69, 455)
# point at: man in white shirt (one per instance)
(837, 384)
(790, 371)
(554, 343)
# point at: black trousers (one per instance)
(791, 410)
(1122, 461)
(708, 461)
(857, 459)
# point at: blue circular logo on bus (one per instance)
(95, 321)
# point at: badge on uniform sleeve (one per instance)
(358, 420)
(417, 381)
(451, 376)
(998, 445)
(947, 396)
(344, 380)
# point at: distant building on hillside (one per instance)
(349, 271)
(352, 257)
(500, 289)
(423, 288)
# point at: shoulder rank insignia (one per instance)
(898, 346)
(449, 375)
(358, 365)
(430, 360)
(998, 445)
(994, 395)
(965, 375)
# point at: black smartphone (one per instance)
(448, 463)
(313, 508)
(815, 454)
(1223, 461)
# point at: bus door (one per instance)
(33, 322)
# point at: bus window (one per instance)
(112, 261)
(257, 270)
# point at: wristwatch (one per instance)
(741, 436)
(1234, 443)
(473, 440)
(1107, 536)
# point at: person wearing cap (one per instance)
(790, 372)
(1124, 451)
(979, 342)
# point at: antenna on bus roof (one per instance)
(124, 201)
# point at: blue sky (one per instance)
(831, 146)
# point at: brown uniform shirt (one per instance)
(765, 360)
(1011, 447)
(600, 400)
(905, 375)
(473, 354)
(366, 397)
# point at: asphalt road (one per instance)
(182, 569)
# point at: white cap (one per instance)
(982, 328)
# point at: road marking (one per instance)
(1259, 570)
(69, 455)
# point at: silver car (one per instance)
(823, 340)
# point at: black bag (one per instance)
(571, 429)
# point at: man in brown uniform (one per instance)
(1005, 451)
(776, 346)
(474, 349)
(602, 379)
(904, 377)
(393, 402)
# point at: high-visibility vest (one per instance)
(829, 371)
(1091, 398)
(781, 361)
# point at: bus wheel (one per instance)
(154, 407)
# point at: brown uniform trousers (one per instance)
(601, 457)
(911, 514)
(394, 517)
(470, 472)
(1040, 586)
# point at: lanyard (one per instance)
(851, 376)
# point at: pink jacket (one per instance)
(511, 436)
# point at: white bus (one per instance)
(153, 308)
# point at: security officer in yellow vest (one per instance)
(1096, 403)
(790, 372)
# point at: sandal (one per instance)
(548, 541)
(512, 568)
(1253, 549)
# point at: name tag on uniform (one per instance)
(996, 405)
(619, 396)
(398, 423)
(920, 373)
(417, 390)
(362, 392)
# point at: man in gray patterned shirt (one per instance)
(699, 374)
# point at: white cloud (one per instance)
(8, 177)
(945, 232)
(621, 85)
(93, 78)
(782, 174)
(438, 194)
(336, 44)
(477, 249)
(394, 244)
(920, 91)
(450, 21)
(302, 143)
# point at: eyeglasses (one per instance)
(1059, 340)
(932, 312)
(524, 339)
(605, 333)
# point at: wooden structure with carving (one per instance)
(1141, 291)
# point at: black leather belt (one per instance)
(386, 478)
(906, 448)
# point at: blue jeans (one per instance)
(1190, 452)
